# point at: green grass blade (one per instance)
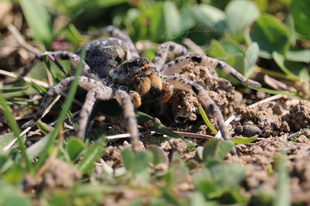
(270, 91)
(41, 90)
(63, 113)
(243, 140)
(158, 127)
(33, 103)
(205, 118)
(72, 119)
(14, 89)
(39, 21)
(16, 131)
(93, 153)
(72, 18)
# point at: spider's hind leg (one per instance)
(162, 52)
(203, 97)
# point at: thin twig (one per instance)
(118, 136)
(19, 38)
(194, 135)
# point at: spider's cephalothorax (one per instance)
(113, 69)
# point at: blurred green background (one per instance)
(238, 32)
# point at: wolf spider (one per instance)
(113, 69)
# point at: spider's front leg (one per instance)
(61, 55)
(203, 97)
(162, 52)
(84, 82)
(176, 65)
(123, 98)
(166, 92)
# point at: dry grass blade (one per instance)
(19, 38)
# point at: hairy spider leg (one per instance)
(203, 97)
(166, 92)
(162, 52)
(124, 100)
(84, 82)
(115, 32)
(136, 98)
(96, 91)
(176, 65)
(61, 55)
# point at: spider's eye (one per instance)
(137, 80)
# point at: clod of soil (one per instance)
(185, 104)
(60, 174)
(274, 120)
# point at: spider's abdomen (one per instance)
(105, 54)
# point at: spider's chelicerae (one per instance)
(113, 69)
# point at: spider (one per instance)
(113, 69)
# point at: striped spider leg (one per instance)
(169, 69)
(98, 88)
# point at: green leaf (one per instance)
(158, 127)
(157, 30)
(251, 56)
(301, 16)
(92, 153)
(270, 34)
(13, 200)
(128, 158)
(283, 187)
(239, 15)
(302, 55)
(39, 21)
(289, 22)
(172, 20)
(217, 178)
(5, 163)
(6, 139)
(211, 149)
(296, 70)
(177, 173)
(210, 17)
(243, 140)
(224, 148)
(141, 162)
(75, 148)
(197, 199)
(187, 19)
(14, 175)
(231, 47)
(216, 149)
(216, 49)
(159, 156)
